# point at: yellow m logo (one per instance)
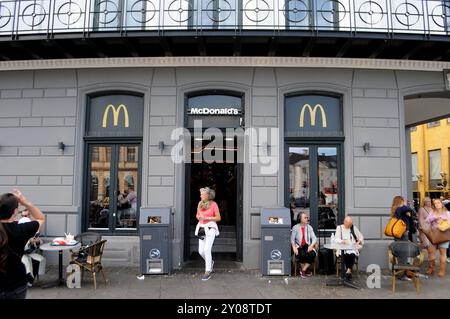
(116, 113)
(312, 113)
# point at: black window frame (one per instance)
(315, 142)
(115, 142)
(115, 148)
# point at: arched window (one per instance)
(113, 137)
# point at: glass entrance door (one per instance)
(314, 184)
(113, 187)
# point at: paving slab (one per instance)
(122, 282)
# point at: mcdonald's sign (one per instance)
(115, 115)
(312, 115)
(116, 112)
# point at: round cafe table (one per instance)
(342, 281)
(59, 249)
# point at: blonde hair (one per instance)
(443, 208)
(396, 203)
(427, 199)
(210, 192)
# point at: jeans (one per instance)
(19, 293)
(205, 246)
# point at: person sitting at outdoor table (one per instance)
(348, 234)
(303, 241)
(31, 253)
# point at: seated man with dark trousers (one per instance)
(303, 241)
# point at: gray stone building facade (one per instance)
(42, 105)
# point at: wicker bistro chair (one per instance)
(92, 262)
(84, 239)
(401, 251)
(295, 262)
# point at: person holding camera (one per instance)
(13, 237)
(207, 230)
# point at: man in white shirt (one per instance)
(348, 234)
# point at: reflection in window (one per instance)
(299, 180)
(94, 187)
(414, 167)
(106, 185)
(216, 13)
(107, 14)
(434, 160)
(320, 14)
(131, 154)
(108, 154)
(95, 154)
(433, 124)
(127, 181)
(328, 187)
(99, 187)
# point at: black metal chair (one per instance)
(88, 238)
(399, 252)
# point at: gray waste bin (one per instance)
(275, 241)
(155, 235)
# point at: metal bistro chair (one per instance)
(401, 251)
(92, 262)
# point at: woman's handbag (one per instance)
(395, 228)
(201, 233)
(437, 236)
(444, 225)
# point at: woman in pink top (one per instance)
(207, 215)
(440, 214)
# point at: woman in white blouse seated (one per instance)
(347, 234)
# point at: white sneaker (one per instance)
(206, 276)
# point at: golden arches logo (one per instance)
(116, 113)
(312, 113)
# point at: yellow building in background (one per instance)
(430, 155)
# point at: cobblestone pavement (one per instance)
(122, 282)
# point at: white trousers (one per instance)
(205, 246)
(27, 261)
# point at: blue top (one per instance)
(400, 213)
